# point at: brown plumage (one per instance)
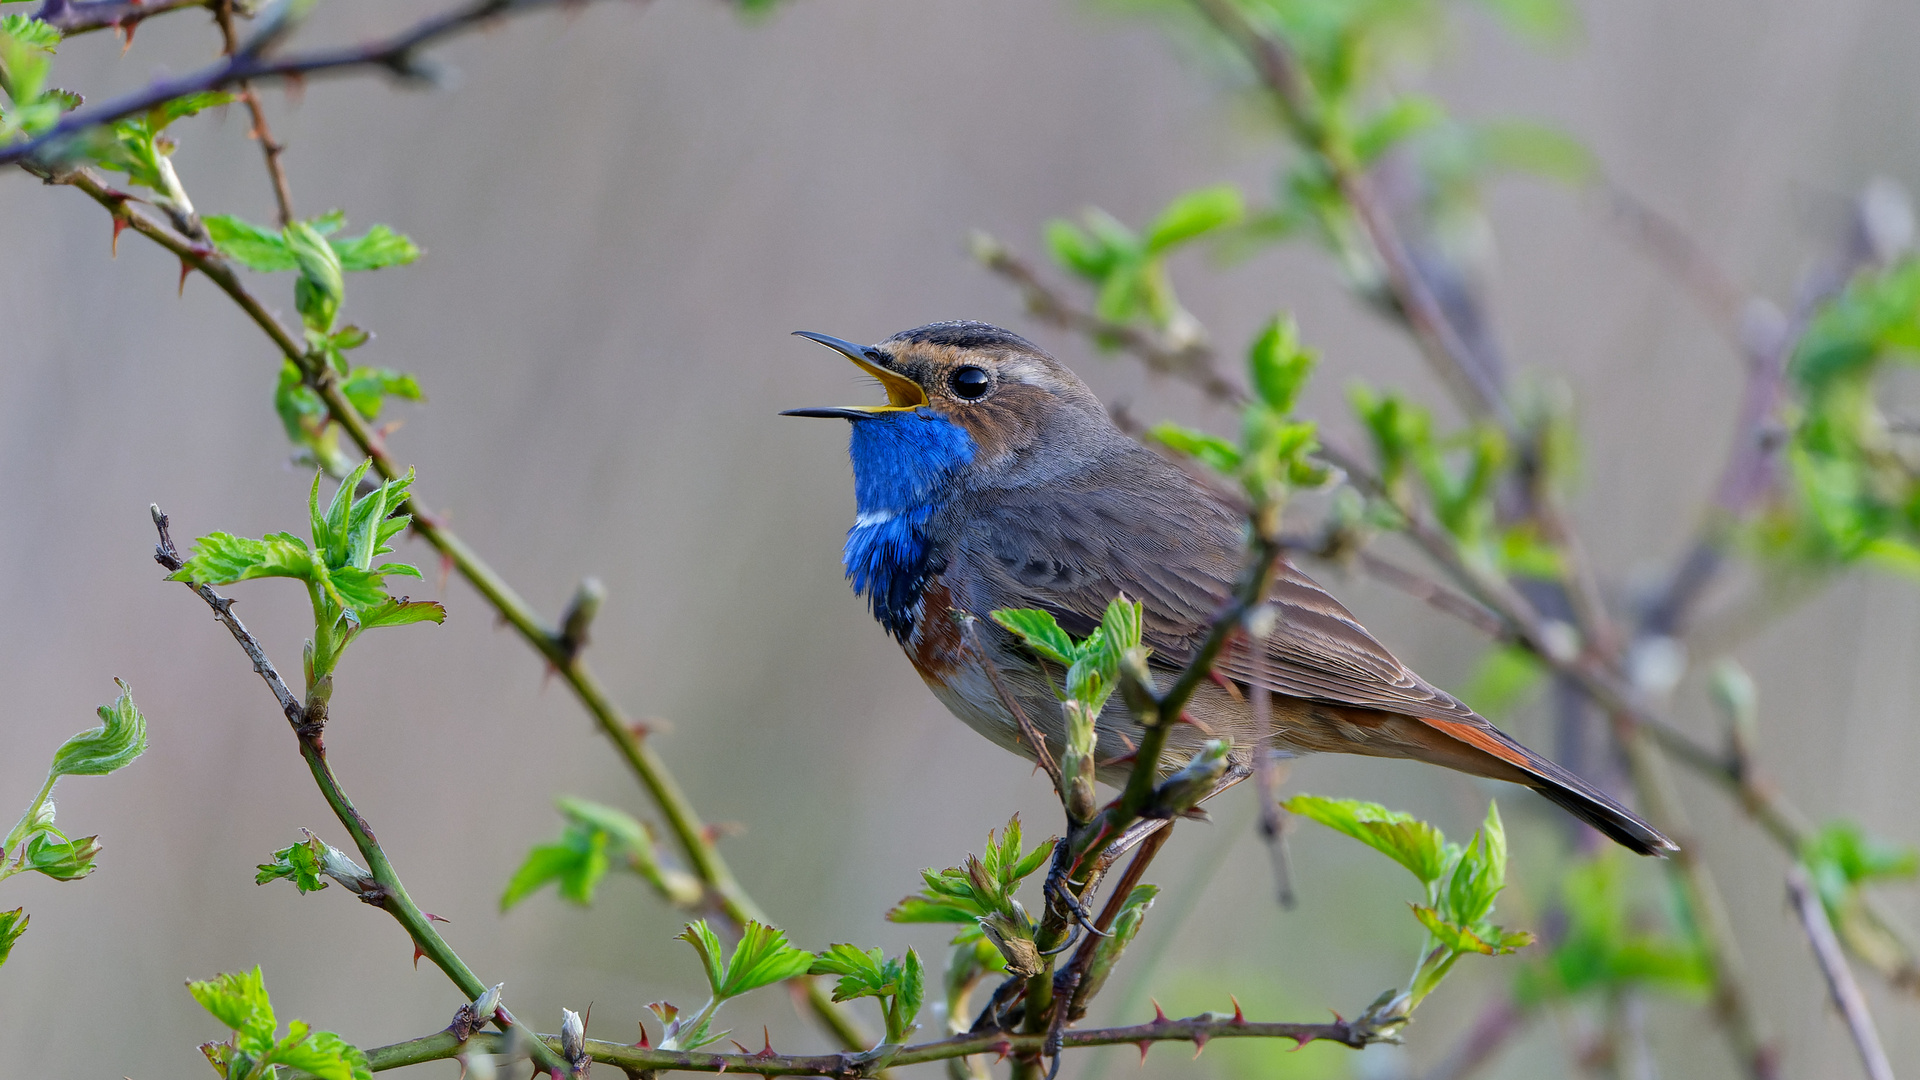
(1058, 509)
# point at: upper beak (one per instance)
(902, 393)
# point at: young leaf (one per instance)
(1210, 450)
(251, 246)
(862, 974)
(57, 857)
(707, 944)
(121, 737)
(1279, 366)
(368, 388)
(577, 863)
(1039, 631)
(300, 864)
(238, 1000)
(1125, 926)
(12, 925)
(320, 1054)
(380, 247)
(222, 559)
(763, 957)
(1193, 215)
(1407, 840)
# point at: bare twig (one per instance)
(72, 17)
(269, 146)
(398, 54)
(1840, 985)
(387, 893)
(1675, 251)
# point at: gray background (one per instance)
(625, 211)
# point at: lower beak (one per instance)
(840, 412)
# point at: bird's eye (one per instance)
(969, 382)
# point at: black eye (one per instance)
(969, 382)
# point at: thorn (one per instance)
(418, 952)
(640, 729)
(294, 85)
(721, 1069)
(1200, 1042)
(1159, 1014)
(185, 269)
(766, 1038)
(125, 30)
(119, 226)
(1001, 1049)
(446, 568)
(431, 917)
(714, 832)
(1144, 1045)
(643, 1044)
(1298, 1042)
(1239, 1017)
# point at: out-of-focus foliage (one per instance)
(598, 838)
(1855, 468)
(1608, 943)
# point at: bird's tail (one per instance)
(1487, 751)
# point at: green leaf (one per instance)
(1456, 938)
(1503, 679)
(238, 1000)
(12, 925)
(1537, 149)
(761, 958)
(368, 388)
(121, 737)
(222, 559)
(1121, 625)
(380, 247)
(577, 862)
(320, 290)
(1478, 875)
(402, 612)
(707, 944)
(1039, 631)
(31, 32)
(1279, 366)
(299, 864)
(250, 245)
(1407, 840)
(913, 980)
(1072, 247)
(1121, 934)
(1405, 116)
(1211, 450)
(57, 857)
(862, 973)
(187, 105)
(1194, 215)
(321, 1054)
(1842, 855)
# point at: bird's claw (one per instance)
(1059, 893)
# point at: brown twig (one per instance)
(1840, 984)
(398, 54)
(269, 146)
(72, 17)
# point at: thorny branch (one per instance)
(1198, 1030)
(398, 55)
(386, 892)
(72, 17)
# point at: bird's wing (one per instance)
(1163, 540)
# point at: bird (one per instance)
(993, 477)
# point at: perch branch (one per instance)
(1840, 985)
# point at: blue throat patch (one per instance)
(902, 465)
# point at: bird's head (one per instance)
(963, 399)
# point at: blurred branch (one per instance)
(1670, 246)
(1840, 985)
(724, 891)
(269, 146)
(398, 54)
(386, 892)
(1198, 1030)
(1473, 386)
(72, 17)
(1496, 1025)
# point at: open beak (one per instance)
(902, 393)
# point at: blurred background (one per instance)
(625, 211)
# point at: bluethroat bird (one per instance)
(993, 478)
